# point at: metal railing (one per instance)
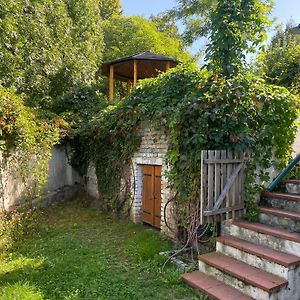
(283, 173)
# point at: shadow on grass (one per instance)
(85, 254)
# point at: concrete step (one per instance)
(280, 218)
(281, 264)
(293, 181)
(292, 186)
(251, 281)
(213, 287)
(283, 201)
(274, 238)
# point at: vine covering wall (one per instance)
(197, 111)
(25, 143)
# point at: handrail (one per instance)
(283, 173)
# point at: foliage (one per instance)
(125, 36)
(237, 26)
(25, 141)
(74, 111)
(167, 25)
(295, 173)
(79, 105)
(18, 225)
(198, 112)
(49, 47)
(280, 63)
(195, 15)
(200, 17)
(109, 8)
(78, 254)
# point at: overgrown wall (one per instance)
(63, 182)
(152, 151)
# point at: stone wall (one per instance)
(152, 152)
(63, 182)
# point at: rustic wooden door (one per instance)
(152, 195)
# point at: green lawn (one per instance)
(82, 253)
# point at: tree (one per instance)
(109, 8)
(166, 25)
(125, 36)
(237, 27)
(280, 63)
(49, 47)
(197, 15)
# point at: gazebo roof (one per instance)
(149, 65)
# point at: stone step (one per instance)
(213, 287)
(283, 201)
(275, 238)
(293, 181)
(265, 258)
(280, 218)
(292, 186)
(252, 281)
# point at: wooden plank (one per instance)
(128, 86)
(229, 171)
(135, 72)
(210, 183)
(111, 82)
(148, 194)
(167, 66)
(242, 190)
(217, 180)
(223, 161)
(206, 183)
(202, 187)
(223, 210)
(157, 196)
(223, 179)
(228, 185)
(234, 186)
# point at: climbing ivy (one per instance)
(25, 143)
(197, 111)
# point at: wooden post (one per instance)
(135, 72)
(111, 82)
(167, 66)
(128, 86)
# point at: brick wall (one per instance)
(152, 152)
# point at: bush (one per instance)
(198, 111)
(25, 141)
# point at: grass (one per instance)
(82, 253)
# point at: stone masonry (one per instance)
(152, 151)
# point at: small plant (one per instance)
(295, 173)
(19, 224)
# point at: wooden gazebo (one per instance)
(132, 68)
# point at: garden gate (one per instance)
(222, 185)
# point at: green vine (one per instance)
(197, 111)
(25, 144)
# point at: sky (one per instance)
(284, 10)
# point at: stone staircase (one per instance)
(256, 260)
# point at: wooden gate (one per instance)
(222, 185)
(152, 195)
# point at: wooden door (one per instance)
(152, 195)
